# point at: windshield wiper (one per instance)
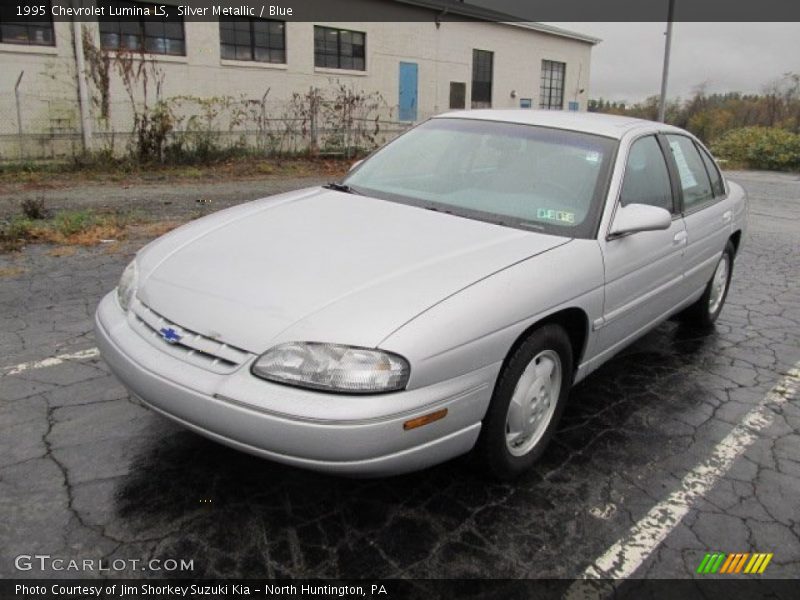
(341, 187)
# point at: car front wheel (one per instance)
(527, 403)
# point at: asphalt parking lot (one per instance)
(684, 444)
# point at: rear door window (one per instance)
(692, 173)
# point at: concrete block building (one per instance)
(425, 64)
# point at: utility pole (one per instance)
(662, 105)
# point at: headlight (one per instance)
(127, 285)
(332, 367)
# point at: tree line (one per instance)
(710, 116)
(758, 131)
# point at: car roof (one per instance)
(612, 126)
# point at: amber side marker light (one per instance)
(425, 419)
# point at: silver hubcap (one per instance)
(533, 403)
(718, 283)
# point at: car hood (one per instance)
(321, 265)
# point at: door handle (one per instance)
(679, 238)
(727, 216)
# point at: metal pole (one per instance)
(662, 105)
(19, 112)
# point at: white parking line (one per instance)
(623, 558)
(49, 362)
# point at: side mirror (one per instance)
(639, 217)
(355, 164)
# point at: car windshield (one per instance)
(523, 176)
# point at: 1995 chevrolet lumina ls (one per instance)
(444, 296)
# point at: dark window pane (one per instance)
(15, 34)
(151, 34)
(339, 48)
(243, 53)
(173, 30)
(155, 45)
(132, 42)
(243, 38)
(154, 28)
(109, 41)
(551, 93)
(228, 52)
(482, 78)
(227, 36)
(130, 27)
(176, 47)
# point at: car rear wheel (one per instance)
(527, 403)
(705, 311)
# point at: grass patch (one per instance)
(78, 228)
(11, 271)
(15, 232)
(62, 251)
(71, 223)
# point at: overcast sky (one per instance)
(742, 57)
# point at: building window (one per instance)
(34, 31)
(259, 40)
(551, 94)
(458, 94)
(142, 32)
(482, 78)
(339, 48)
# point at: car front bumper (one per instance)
(348, 435)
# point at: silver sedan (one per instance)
(442, 298)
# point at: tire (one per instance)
(515, 434)
(704, 312)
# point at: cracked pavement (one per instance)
(87, 473)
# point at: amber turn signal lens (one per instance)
(425, 419)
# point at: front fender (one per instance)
(477, 327)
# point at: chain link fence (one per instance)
(38, 127)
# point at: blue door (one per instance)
(408, 91)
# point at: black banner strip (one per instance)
(405, 10)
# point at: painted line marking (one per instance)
(624, 557)
(50, 362)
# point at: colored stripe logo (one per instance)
(734, 563)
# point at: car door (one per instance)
(643, 270)
(707, 210)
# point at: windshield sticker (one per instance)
(593, 157)
(687, 178)
(562, 216)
